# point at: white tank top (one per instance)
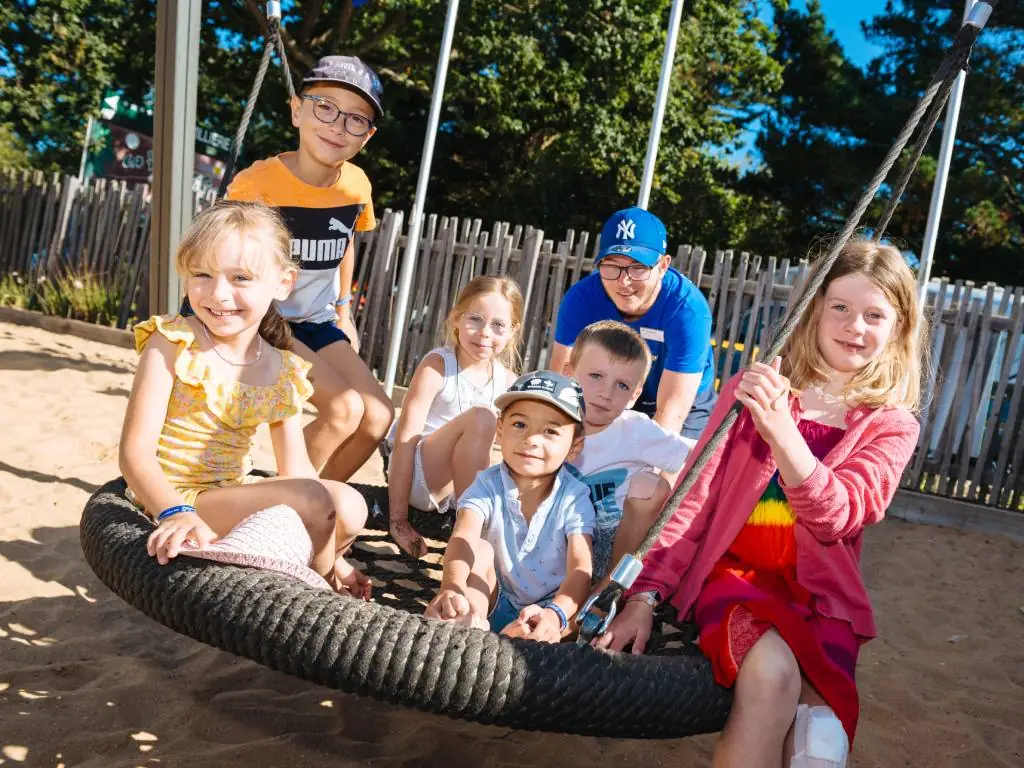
(459, 394)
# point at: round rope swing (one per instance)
(388, 651)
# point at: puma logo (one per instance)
(335, 225)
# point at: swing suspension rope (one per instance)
(274, 42)
(598, 612)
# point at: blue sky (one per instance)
(844, 18)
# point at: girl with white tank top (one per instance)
(448, 421)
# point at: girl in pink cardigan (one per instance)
(765, 549)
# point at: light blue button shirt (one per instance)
(529, 558)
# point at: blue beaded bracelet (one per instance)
(563, 622)
(171, 511)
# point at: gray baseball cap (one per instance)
(557, 390)
(351, 72)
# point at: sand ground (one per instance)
(87, 681)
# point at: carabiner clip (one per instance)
(591, 624)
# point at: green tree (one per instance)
(12, 153)
(835, 122)
(547, 108)
(982, 231)
(57, 58)
(812, 146)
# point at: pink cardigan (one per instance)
(851, 488)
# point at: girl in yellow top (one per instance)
(206, 382)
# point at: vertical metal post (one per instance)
(416, 219)
(174, 139)
(931, 229)
(667, 61)
(85, 150)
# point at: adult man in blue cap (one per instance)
(633, 283)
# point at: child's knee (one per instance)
(378, 414)
(315, 505)
(770, 674)
(350, 507)
(648, 486)
(345, 410)
(482, 424)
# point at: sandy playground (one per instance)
(87, 681)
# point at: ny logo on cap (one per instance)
(626, 230)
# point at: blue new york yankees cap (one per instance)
(351, 72)
(636, 233)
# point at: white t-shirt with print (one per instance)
(608, 461)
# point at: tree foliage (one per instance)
(57, 57)
(548, 104)
(835, 122)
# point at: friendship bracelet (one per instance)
(563, 621)
(171, 511)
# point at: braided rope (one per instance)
(390, 654)
(938, 94)
(273, 42)
(285, 69)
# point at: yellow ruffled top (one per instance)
(210, 423)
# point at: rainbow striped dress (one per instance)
(754, 587)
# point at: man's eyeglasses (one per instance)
(327, 112)
(612, 272)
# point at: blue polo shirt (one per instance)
(677, 329)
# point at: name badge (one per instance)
(652, 334)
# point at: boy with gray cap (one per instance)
(519, 560)
(325, 199)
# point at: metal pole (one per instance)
(931, 230)
(85, 150)
(668, 58)
(174, 142)
(416, 219)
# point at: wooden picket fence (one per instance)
(54, 227)
(971, 445)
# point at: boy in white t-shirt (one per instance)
(628, 459)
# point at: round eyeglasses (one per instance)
(327, 112)
(612, 272)
(476, 323)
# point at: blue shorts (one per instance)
(316, 336)
(503, 613)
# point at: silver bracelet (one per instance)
(650, 597)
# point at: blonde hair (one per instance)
(894, 377)
(617, 339)
(242, 221)
(484, 285)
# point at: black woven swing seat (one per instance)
(388, 651)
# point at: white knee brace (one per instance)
(819, 739)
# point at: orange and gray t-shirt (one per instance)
(321, 220)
